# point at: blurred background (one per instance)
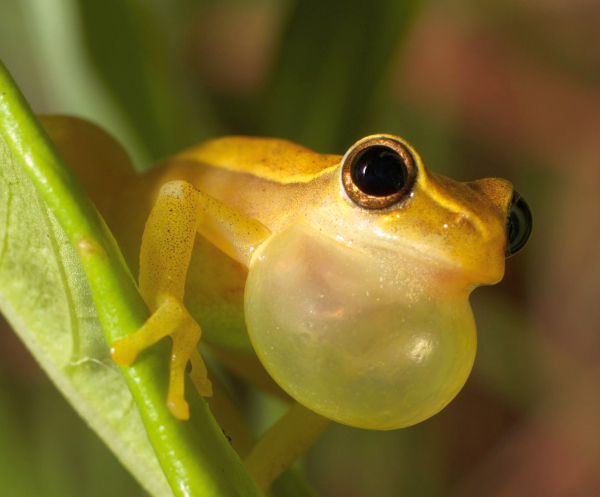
(498, 88)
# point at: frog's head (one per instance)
(359, 308)
(386, 198)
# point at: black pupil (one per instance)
(519, 224)
(379, 171)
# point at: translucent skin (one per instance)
(367, 340)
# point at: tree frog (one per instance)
(351, 274)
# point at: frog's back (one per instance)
(271, 159)
(267, 179)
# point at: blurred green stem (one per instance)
(196, 458)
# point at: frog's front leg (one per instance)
(170, 318)
(181, 211)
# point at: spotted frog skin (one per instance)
(347, 276)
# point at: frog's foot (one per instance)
(185, 341)
(171, 318)
(199, 374)
(159, 325)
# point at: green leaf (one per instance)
(144, 46)
(333, 61)
(43, 436)
(45, 296)
(63, 279)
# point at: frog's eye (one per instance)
(378, 172)
(519, 224)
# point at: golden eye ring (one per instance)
(378, 172)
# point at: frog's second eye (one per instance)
(378, 172)
(518, 225)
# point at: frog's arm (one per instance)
(178, 214)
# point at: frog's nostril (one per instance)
(519, 224)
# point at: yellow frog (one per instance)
(350, 274)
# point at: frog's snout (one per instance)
(519, 224)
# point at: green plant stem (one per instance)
(195, 456)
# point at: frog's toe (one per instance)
(199, 375)
(204, 387)
(123, 352)
(185, 340)
(178, 407)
